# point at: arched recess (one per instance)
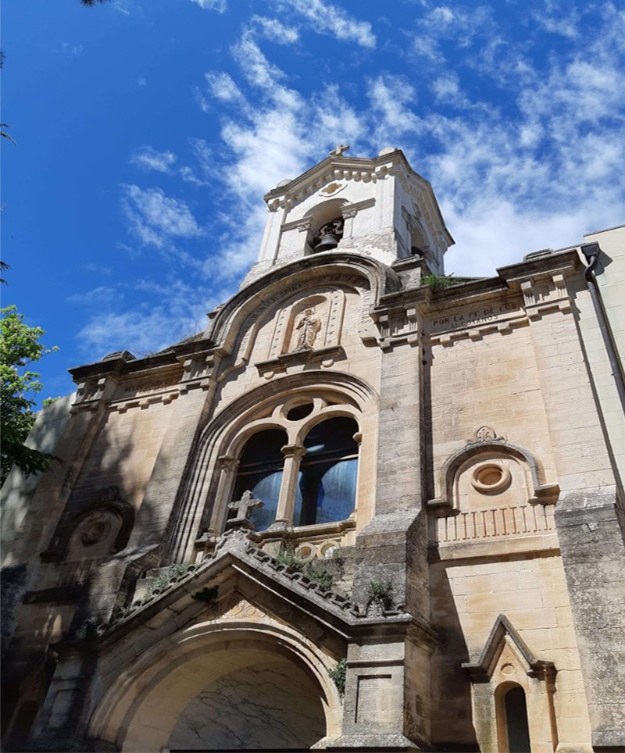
(326, 212)
(101, 528)
(222, 441)
(506, 662)
(476, 453)
(251, 302)
(143, 706)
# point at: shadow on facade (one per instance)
(66, 584)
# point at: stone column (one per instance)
(227, 472)
(393, 549)
(286, 502)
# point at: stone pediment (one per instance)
(240, 571)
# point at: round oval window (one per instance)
(490, 477)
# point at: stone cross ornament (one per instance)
(338, 150)
(243, 507)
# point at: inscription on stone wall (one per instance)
(471, 317)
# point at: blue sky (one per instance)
(147, 132)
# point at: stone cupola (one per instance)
(376, 207)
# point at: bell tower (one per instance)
(377, 207)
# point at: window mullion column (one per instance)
(228, 466)
(286, 502)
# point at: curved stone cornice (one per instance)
(236, 412)
(303, 272)
(541, 492)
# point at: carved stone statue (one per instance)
(309, 324)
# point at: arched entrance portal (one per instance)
(254, 700)
(222, 688)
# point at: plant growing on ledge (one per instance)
(438, 282)
(288, 557)
(338, 675)
(380, 593)
(319, 575)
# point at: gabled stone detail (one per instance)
(241, 546)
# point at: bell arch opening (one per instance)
(326, 226)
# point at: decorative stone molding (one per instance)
(198, 370)
(543, 294)
(506, 663)
(541, 492)
(482, 669)
(495, 522)
(240, 546)
(323, 357)
(397, 326)
(105, 524)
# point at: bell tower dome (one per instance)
(376, 207)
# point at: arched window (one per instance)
(517, 728)
(260, 471)
(326, 490)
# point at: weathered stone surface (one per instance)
(479, 546)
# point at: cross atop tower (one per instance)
(338, 150)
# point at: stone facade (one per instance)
(438, 561)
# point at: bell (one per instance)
(329, 235)
(327, 242)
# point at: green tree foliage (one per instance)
(19, 347)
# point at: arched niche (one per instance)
(312, 322)
(507, 663)
(323, 214)
(488, 473)
(101, 528)
(191, 676)
(243, 312)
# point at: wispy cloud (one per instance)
(170, 311)
(217, 5)
(148, 158)
(391, 98)
(156, 219)
(70, 48)
(199, 175)
(99, 295)
(223, 88)
(275, 30)
(327, 18)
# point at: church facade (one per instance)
(370, 507)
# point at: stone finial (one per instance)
(338, 150)
(243, 507)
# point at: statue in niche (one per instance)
(309, 324)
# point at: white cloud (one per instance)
(97, 268)
(155, 219)
(391, 98)
(223, 88)
(326, 18)
(217, 5)
(276, 31)
(199, 176)
(147, 158)
(99, 295)
(172, 310)
(71, 49)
